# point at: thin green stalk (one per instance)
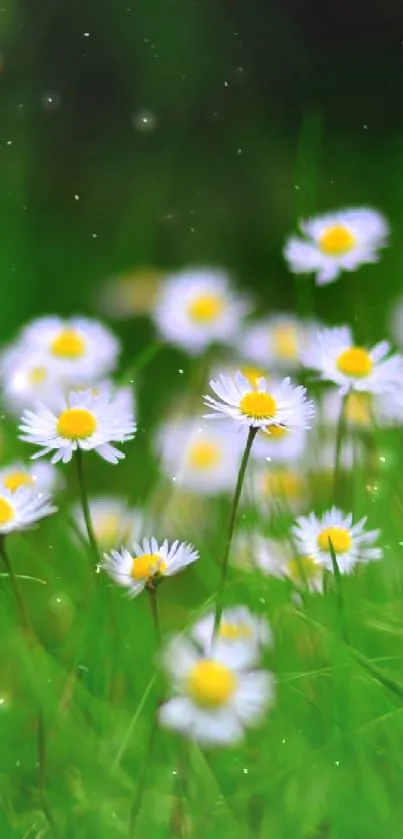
(341, 429)
(339, 594)
(25, 619)
(155, 612)
(85, 505)
(231, 527)
(41, 748)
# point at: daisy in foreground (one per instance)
(335, 242)
(84, 421)
(267, 404)
(22, 508)
(338, 359)
(147, 563)
(239, 629)
(198, 307)
(218, 695)
(351, 542)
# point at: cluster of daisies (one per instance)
(58, 377)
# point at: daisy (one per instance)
(217, 695)
(274, 487)
(22, 508)
(27, 378)
(84, 421)
(200, 457)
(277, 341)
(336, 242)
(262, 406)
(279, 443)
(147, 563)
(132, 293)
(198, 307)
(277, 558)
(239, 629)
(362, 410)
(351, 543)
(338, 359)
(41, 477)
(113, 522)
(78, 348)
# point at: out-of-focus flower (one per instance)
(278, 341)
(22, 508)
(276, 487)
(132, 293)
(336, 242)
(40, 477)
(113, 521)
(239, 628)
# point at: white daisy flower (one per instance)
(336, 242)
(27, 378)
(239, 629)
(279, 443)
(147, 562)
(84, 421)
(198, 456)
(40, 477)
(276, 558)
(22, 508)
(78, 349)
(352, 367)
(277, 341)
(113, 521)
(217, 695)
(197, 307)
(275, 487)
(261, 406)
(351, 543)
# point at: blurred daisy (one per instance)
(26, 378)
(147, 563)
(113, 522)
(199, 456)
(239, 629)
(261, 406)
(277, 558)
(275, 487)
(84, 421)
(251, 373)
(22, 508)
(198, 307)
(218, 696)
(351, 542)
(362, 410)
(336, 242)
(280, 444)
(352, 367)
(132, 293)
(277, 341)
(40, 477)
(78, 349)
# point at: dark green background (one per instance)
(264, 111)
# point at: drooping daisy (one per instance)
(132, 293)
(147, 563)
(280, 486)
(22, 508)
(113, 521)
(335, 242)
(78, 348)
(351, 542)
(197, 307)
(239, 629)
(264, 405)
(84, 421)
(40, 477)
(198, 456)
(277, 341)
(338, 359)
(27, 378)
(217, 695)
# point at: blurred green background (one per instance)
(142, 132)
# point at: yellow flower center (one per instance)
(283, 483)
(276, 432)
(358, 409)
(146, 566)
(211, 684)
(355, 362)
(68, 344)
(203, 455)
(285, 339)
(303, 567)
(234, 631)
(338, 536)
(206, 308)
(258, 405)
(6, 511)
(337, 240)
(76, 424)
(107, 528)
(14, 480)
(37, 375)
(253, 374)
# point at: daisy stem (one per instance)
(25, 620)
(41, 748)
(231, 527)
(154, 605)
(85, 505)
(341, 428)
